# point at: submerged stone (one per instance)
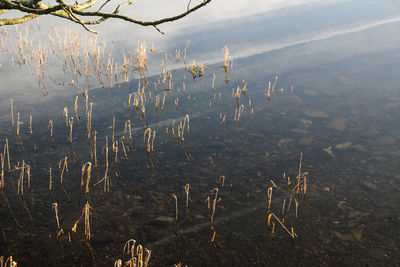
(315, 113)
(343, 145)
(338, 124)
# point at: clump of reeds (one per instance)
(86, 215)
(238, 112)
(196, 70)
(137, 256)
(9, 261)
(151, 135)
(141, 57)
(228, 63)
(293, 193)
(292, 234)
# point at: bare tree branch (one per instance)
(77, 12)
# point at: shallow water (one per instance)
(342, 116)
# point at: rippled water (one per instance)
(342, 116)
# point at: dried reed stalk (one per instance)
(269, 195)
(173, 196)
(50, 179)
(214, 203)
(65, 114)
(88, 167)
(65, 167)
(187, 188)
(76, 108)
(86, 211)
(71, 124)
(55, 207)
(291, 233)
(50, 127)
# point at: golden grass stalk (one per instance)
(115, 150)
(239, 112)
(141, 57)
(269, 90)
(129, 247)
(147, 133)
(227, 58)
(50, 179)
(123, 146)
(147, 259)
(20, 189)
(88, 167)
(89, 121)
(86, 211)
(65, 167)
(118, 263)
(222, 177)
(152, 141)
(55, 207)
(30, 125)
(269, 195)
(173, 196)
(187, 188)
(50, 127)
(139, 253)
(65, 114)
(244, 89)
(208, 200)
(163, 100)
(18, 123)
(76, 108)
(213, 81)
(291, 232)
(274, 84)
(71, 124)
(10, 261)
(128, 127)
(214, 203)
